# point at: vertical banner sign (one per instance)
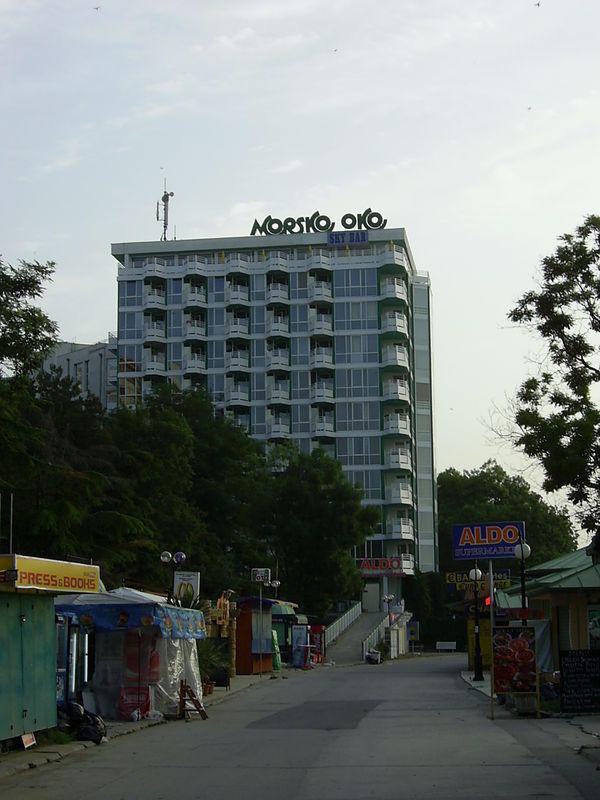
(486, 540)
(515, 662)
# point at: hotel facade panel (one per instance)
(320, 338)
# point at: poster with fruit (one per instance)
(515, 662)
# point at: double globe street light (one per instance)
(523, 551)
(475, 575)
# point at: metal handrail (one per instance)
(375, 636)
(342, 623)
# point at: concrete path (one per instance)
(409, 728)
(347, 649)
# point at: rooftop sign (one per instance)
(318, 223)
(47, 575)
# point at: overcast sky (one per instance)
(474, 124)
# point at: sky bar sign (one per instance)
(486, 540)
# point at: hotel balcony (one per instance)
(239, 393)
(322, 427)
(394, 289)
(237, 293)
(275, 260)
(400, 528)
(398, 458)
(319, 260)
(398, 492)
(154, 267)
(238, 326)
(395, 356)
(408, 563)
(279, 393)
(195, 264)
(278, 359)
(321, 357)
(321, 324)
(193, 295)
(153, 298)
(156, 366)
(394, 323)
(278, 293)
(195, 363)
(237, 359)
(155, 332)
(320, 291)
(321, 392)
(237, 261)
(278, 326)
(396, 390)
(194, 329)
(279, 429)
(396, 423)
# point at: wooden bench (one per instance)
(445, 647)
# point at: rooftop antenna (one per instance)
(165, 217)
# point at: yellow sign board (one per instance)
(47, 575)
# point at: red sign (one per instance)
(382, 566)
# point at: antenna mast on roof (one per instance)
(165, 217)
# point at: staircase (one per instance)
(347, 648)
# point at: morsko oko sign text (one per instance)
(318, 223)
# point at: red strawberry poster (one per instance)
(515, 663)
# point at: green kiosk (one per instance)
(28, 683)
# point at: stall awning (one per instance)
(114, 611)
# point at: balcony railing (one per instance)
(237, 359)
(238, 394)
(277, 292)
(154, 298)
(194, 329)
(322, 392)
(194, 363)
(399, 493)
(321, 357)
(319, 290)
(194, 295)
(237, 293)
(322, 427)
(321, 324)
(400, 528)
(154, 365)
(394, 357)
(154, 332)
(278, 394)
(393, 289)
(279, 326)
(400, 459)
(239, 326)
(278, 429)
(396, 390)
(396, 423)
(278, 358)
(394, 323)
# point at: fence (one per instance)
(375, 636)
(339, 626)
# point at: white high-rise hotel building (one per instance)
(322, 338)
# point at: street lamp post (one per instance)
(178, 558)
(523, 551)
(387, 598)
(475, 575)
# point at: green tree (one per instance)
(317, 518)
(26, 333)
(489, 494)
(557, 416)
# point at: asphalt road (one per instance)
(405, 729)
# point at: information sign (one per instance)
(580, 681)
(260, 575)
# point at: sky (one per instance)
(473, 124)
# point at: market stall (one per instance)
(140, 649)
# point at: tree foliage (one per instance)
(26, 333)
(489, 494)
(557, 414)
